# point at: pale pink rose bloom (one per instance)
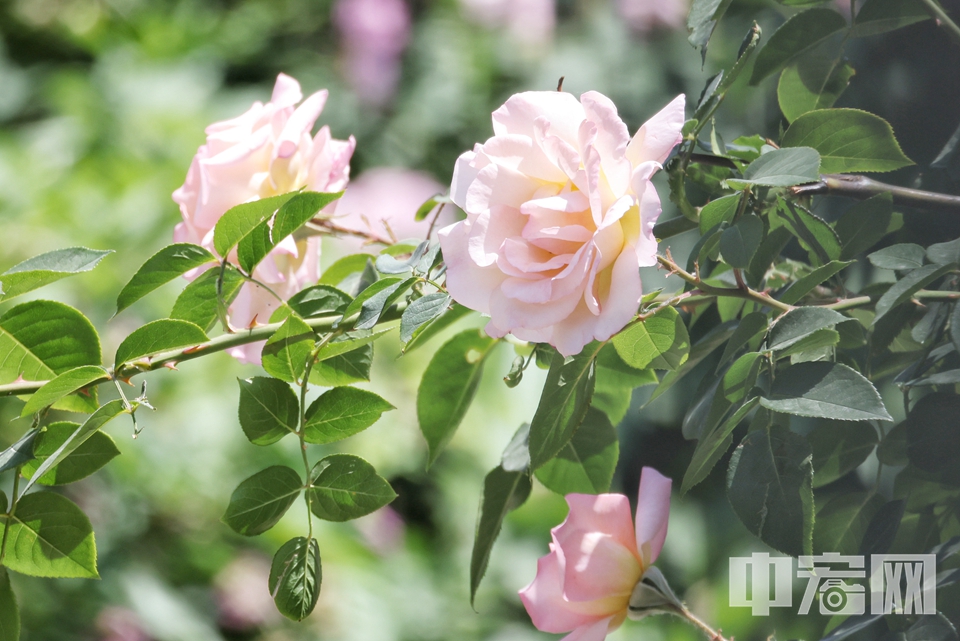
(385, 199)
(646, 15)
(560, 214)
(374, 34)
(597, 557)
(267, 151)
(528, 21)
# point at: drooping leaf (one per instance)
(47, 268)
(798, 34)
(814, 233)
(799, 323)
(901, 257)
(906, 287)
(781, 168)
(848, 140)
(719, 396)
(295, 578)
(882, 529)
(49, 537)
(839, 447)
(880, 16)
(703, 19)
(368, 306)
(40, 339)
(285, 354)
(18, 453)
(770, 486)
(825, 390)
(503, 491)
(659, 342)
(261, 500)
(9, 610)
(342, 412)
(268, 410)
(421, 311)
(168, 263)
(94, 452)
(842, 522)
(346, 487)
(449, 385)
(197, 303)
(864, 224)
(768, 252)
(238, 222)
(63, 385)
(586, 463)
(814, 82)
(158, 336)
(563, 405)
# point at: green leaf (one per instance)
(882, 529)
(847, 140)
(344, 369)
(286, 352)
(259, 501)
(864, 224)
(350, 341)
(158, 336)
(842, 522)
(424, 210)
(906, 287)
(901, 257)
(295, 578)
(563, 405)
(712, 446)
(739, 242)
(238, 222)
(18, 453)
(704, 415)
(880, 16)
(700, 350)
(800, 288)
(269, 410)
(346, 487)
(799, 323)
(40, 339)
(748, 329)
(9, 611)
(932, 627)
(781, 168)
(944, 253)
(932, 435)
(769, 251)
(719, 210)
(254, 247)
(770, 487)
(586, 463)
(814, 82)
(839, 447)
(77, 438)
(448, 387)
(89, 456)
(658, 342)
(703, 19)
(197, 303)
(319, 300)
(825, 390)
(798, 34)
(421, 311)
(343, 268)
(615, 382)
(814, 233)
(503, 492)
(168, 263)
(430, 329)
(342, 412)
(374, 300)
(47, 268)
(49, 537)
(63, 385)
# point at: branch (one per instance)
(861, 187)
(746, 293)
(942, 19)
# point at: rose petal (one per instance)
(286, 92)
(596, 631)
(657, 137)
(468, 283)
(520, 111)
(544, 601)
(611, 140)
(653, 512)
(646, 248)
(301, 122)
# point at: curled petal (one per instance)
(653, 511)
(657, 137)
(544, 601)
(519, 113)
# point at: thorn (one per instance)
(171, 365)
(194, 349)
(253, 322)
(560, 83)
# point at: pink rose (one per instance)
(646, 15)
(596, 560)
(265, 152)
(560, 214)
(374, 34)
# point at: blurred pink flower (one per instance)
(597, 558)
(264, 152)
(243, 601)
(646, 15)
(382, 530)
(528, 21)
(120, 624)
(374, 34)
(385, 199)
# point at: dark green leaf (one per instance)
(659, 342)
(814, 233)
(880, 16)
(906, 287)
(342, 412)
(944, 253)
(932, 627)
(63, 385)
(901, 257)
(704, 415)
(781, 168)
(159, 336)
(739, 242)
(423, 310)
(825, 390)
(49, 537)
(798, 34)
(286, 352)
(449, 385)
(563, 405)
(346, 487)
(319, 300)
(259, 501)
(882, 529)
(40, 339)
(770, 486)
(814, 82)
(839, 447)
(430, 329)
(703, 19)
(717, 211)
(47, 268)
(502, 492)
(842, 522)
(848, 140)
(168, 263)
(9, 611)
(864, 224)
(586, 463)
(799, 323)
(344, 369)
(932, 435)
(769, 251)
(747, 331)
(516, 455)
(295, 578)
(712, 446)
(238, 222)
(800, 288)
(197, 303)
(268, 409)
(18, 453)
(374, 300)
(93, 453)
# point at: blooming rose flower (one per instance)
(596, 560)
(560, 214)
(265, 152)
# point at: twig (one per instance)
(327, 226)
(746, 293)
(861, 187)
(941, 17)
(714, 635)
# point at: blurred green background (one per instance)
(103, 104)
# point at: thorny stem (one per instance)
(746, 293)
(303, 422)
(325, 226)
(941, 16)
(714, 635)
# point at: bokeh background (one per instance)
(102, 105)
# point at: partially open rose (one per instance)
(560, 214)
(267, 151)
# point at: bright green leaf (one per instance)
(285, 354)
(615, 382)
(261, 500)
(50, 537)
(269, 410)
(814, 82)
(848, 140)
(88, 457)
(47, 268)
(586, 463)
(659, 342)
(197, 303)
(9, 611)
(158, 336)
(295, 578)
(238, 222)
(781, 168)
(344, 369)
(346, 487)
(344, 268)
(342, 412)
(63, 385)
(168, 263)
(717, 211)
(700, 350)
